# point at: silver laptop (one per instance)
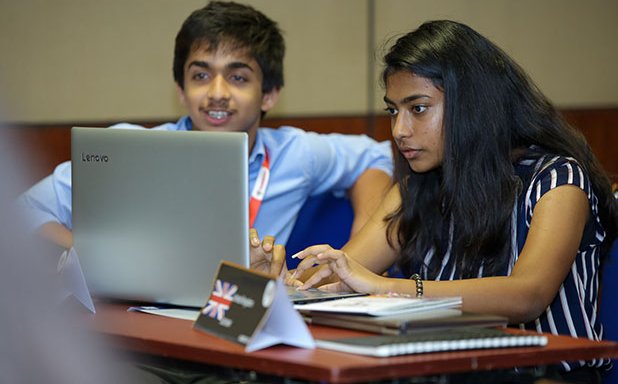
(154, 212)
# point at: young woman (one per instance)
(497, 199)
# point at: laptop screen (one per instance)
(154, 212)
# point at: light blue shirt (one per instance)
(302, 164)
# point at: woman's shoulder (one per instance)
(544, 172)
(538, 164)
(550, 171)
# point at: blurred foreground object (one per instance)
(40, 339)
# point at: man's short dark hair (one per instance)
(237, 26)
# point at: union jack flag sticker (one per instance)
(220, 300)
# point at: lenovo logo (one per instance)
(94, 158)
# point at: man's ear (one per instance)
(181, 95)
(269, 100)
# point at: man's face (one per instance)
(223, 91)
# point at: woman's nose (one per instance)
(400, 127)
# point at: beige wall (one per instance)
(568, 47)
(110, 60)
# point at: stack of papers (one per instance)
(381, 305)
(437, 319)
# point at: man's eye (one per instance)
(238, 78)
(200, 76)
(391, 111)
(419, 108)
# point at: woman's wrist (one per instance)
(387, 285)
(407, 287)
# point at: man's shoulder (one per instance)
(282, 131)
(286, 132)
(284, 136)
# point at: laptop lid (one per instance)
(154, 212)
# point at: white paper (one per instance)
(377, 305)
(283, 325)
(176, 313)
(73, 279)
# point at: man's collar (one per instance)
(259, 149)
(185, 124)
(257, 153)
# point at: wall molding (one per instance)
(50, 144)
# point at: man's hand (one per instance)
(266, 256)
(57, 234)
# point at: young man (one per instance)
(228, 67)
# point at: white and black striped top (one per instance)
(574, 309)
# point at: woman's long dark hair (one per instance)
(491, 108)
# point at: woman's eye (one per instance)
(391, 111)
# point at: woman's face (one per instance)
(416, 107)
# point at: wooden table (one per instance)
(174, 338)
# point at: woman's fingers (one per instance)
(338, 286)
(313, 250)
(290, 279)
(321, 273)
(308, 257)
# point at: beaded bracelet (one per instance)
(419, 284)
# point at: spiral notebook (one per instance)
(439, 341)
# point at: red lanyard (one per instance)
(259, 189)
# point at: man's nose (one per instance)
(219, 88)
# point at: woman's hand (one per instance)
(265, 255)
(335, 263)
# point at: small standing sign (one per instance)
(73, 280)
(253, 309)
